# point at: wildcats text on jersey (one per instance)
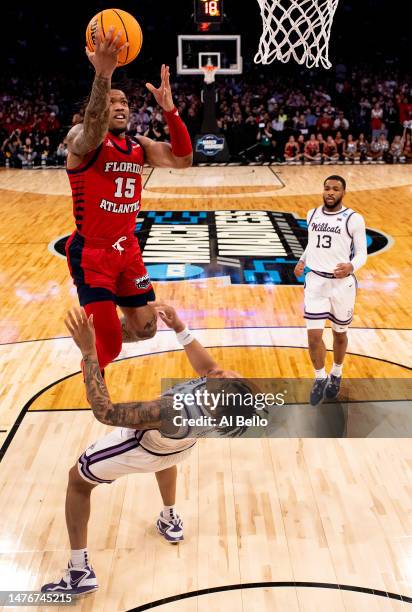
(324, 227)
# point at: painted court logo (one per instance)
(248, 246)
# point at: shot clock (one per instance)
(208, 11)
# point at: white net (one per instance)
(209, 73)
(298, 29)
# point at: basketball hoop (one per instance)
(298, 29)
(209, 72)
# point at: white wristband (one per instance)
(184, 337)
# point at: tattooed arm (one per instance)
(136, 415)
(156, 414)
(86, 137)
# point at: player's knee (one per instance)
(340, 337)
(76, 482)
(314, 340)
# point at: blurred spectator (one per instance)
(26, 153)
(405, 111)
(407, 147)
(363, 147)
(341, 123)
(311, 119)
(61, 154)
(265, 139)
(376, 120)
(384, 144)
(341, 145)
(396, 150)
(351, 153)
(376, 151)
(154, 131)
(324, 124)
(321, 143)
(301, 146)
(330, 150)
(311, 152)
(291, 152)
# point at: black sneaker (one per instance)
(318, 391)
(333, 387)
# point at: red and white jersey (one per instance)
(107, 189)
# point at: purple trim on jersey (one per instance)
(112, 451)
(324, 274)
(326, 315)
(346, 225)
(317, 314)
(340, 212)
(87, 473)
(338, 321)
(313, 214)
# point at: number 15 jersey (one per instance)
(107, 189)
(334, 238)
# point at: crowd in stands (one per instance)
(350, 117)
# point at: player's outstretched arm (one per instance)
(201, 361)
(87, 136)
(137, 415)
(179, 153)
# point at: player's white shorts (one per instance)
(329, 298)
(121, 453)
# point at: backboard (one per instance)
(197, 50)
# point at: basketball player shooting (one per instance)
(105, 168)
(336, 249)
(146, 439)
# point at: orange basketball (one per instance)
(123, 22)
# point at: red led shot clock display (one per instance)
(208, 11)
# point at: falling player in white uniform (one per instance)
(336, 249)
(146, 438)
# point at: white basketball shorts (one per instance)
(121, 453)
(329, 298)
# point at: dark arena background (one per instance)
(316, 513)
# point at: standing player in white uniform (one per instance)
(336, 249)
(146, 439)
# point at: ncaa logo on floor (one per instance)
(248, 246)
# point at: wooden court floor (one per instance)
(287, 522)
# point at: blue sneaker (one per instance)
(318, 391)
(333, 387)
(76, 581)
(170, 528)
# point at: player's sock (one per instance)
(80, 558)
(337, 369)
(168, 512)
(320, 373)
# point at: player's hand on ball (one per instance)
(342, 270)
(299, 268)
(81, 329)
(168, 315)
(104, 57)
(163, 94)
